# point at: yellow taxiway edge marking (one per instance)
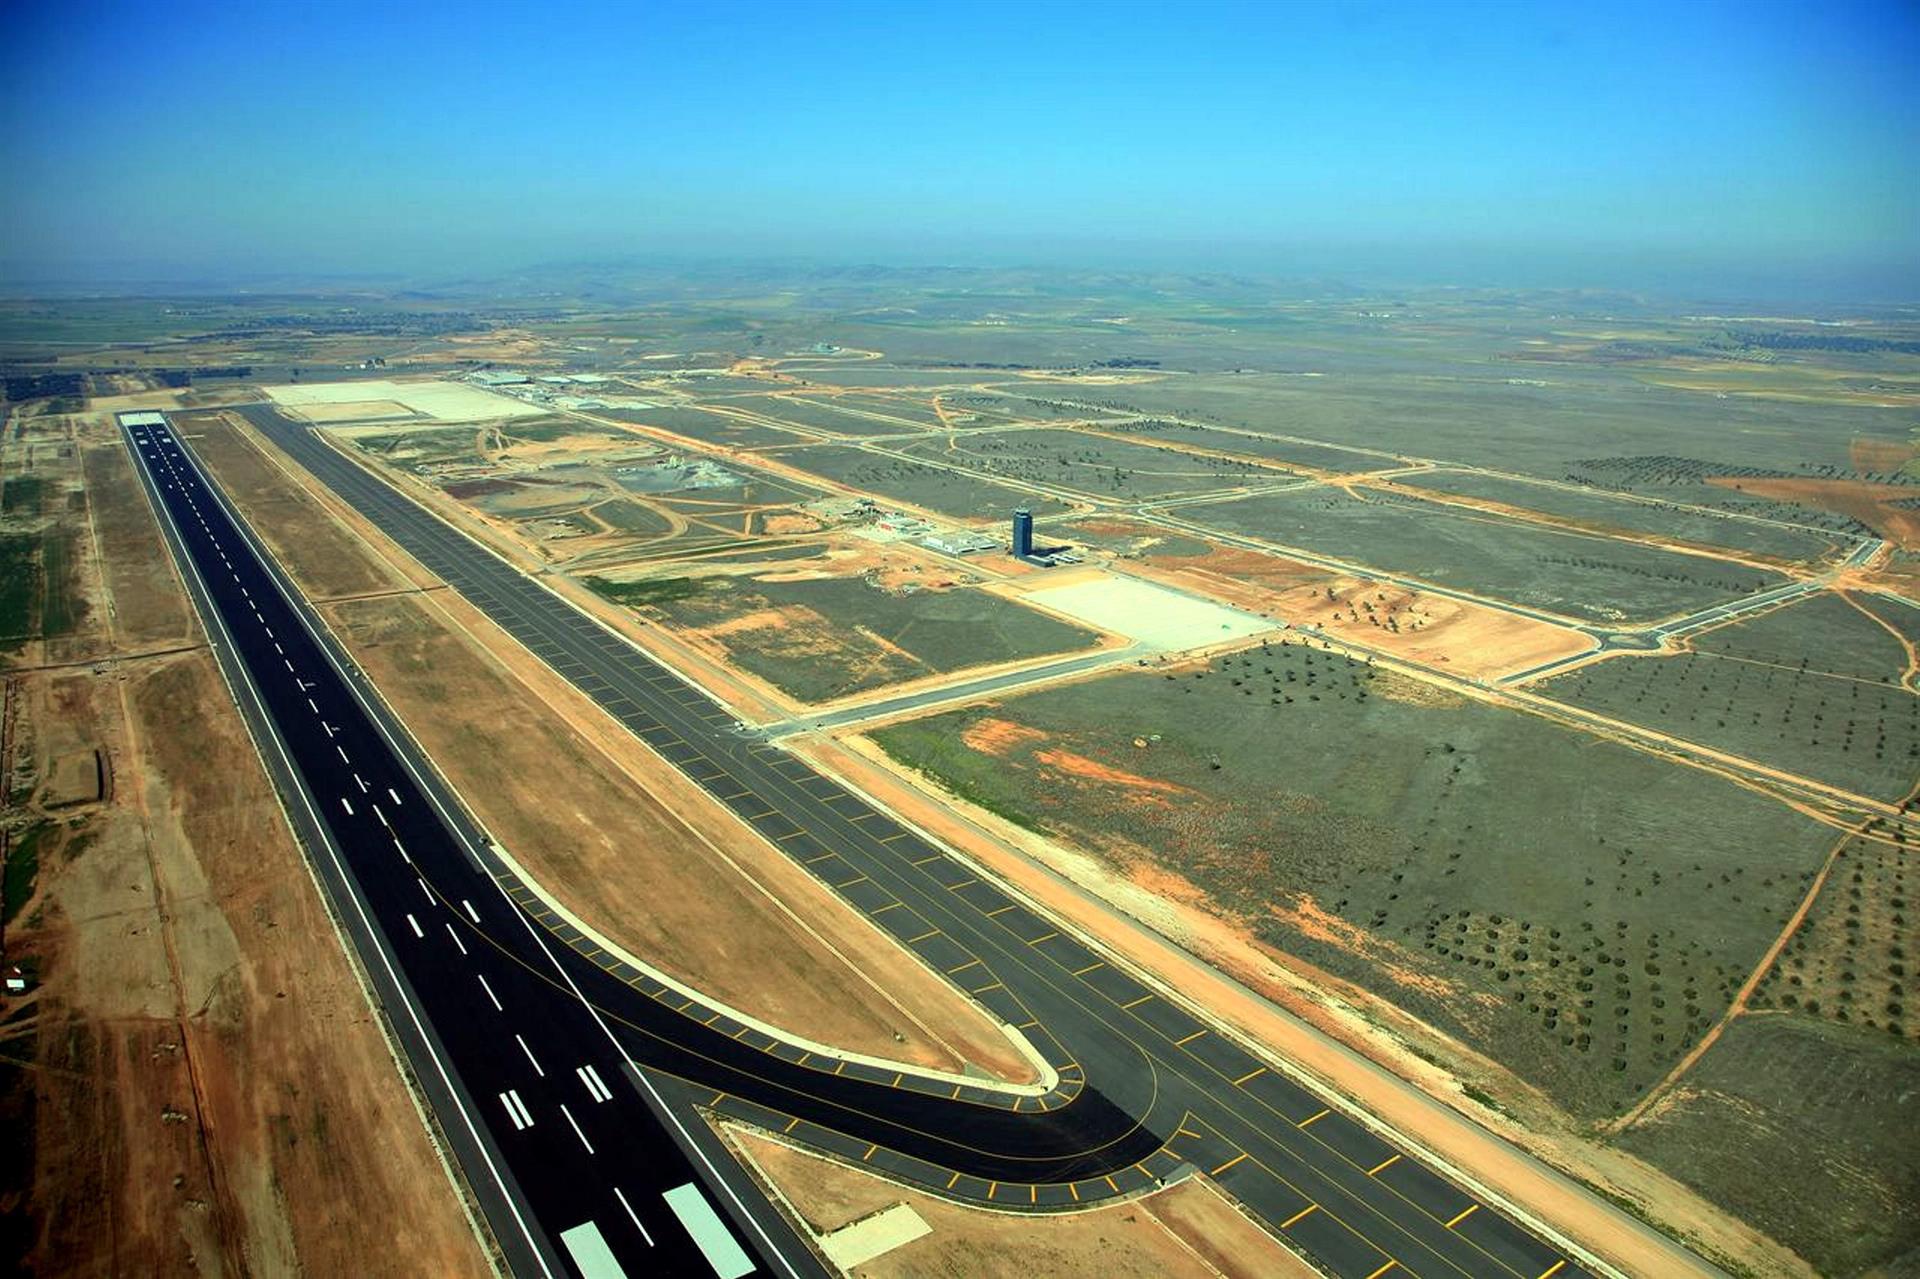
(717, 1099)
(1391, 1263)
(1230, 1163)
(992, 1188)
(953, 1181)
(1384, 1164)
(1311, 1119)
(881, 910)
(924, 860)
(1136, 1003)
(1044, 937)
(965, 883)
(931, 932)
(1090, 967)
(869, 1154)
(1182, 1043)
(850, 883)
(992, 985)
(822, 857)
(1553, 1269)
(1033, 1193)
(1074, 1186)
(962, 968)
(793, 1123)
(1114, 1185)
(1466, 1212)
(896, 1080)
(890, 838)
(1291, 1221)
(1000, 910)
(1255, 1073)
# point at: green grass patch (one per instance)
(19, 584)
(22, 495)
(659, 590)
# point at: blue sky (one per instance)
(1544, 141)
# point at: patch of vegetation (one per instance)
(19, 584)
(22, 870)
(1854, 956)
(658, 590)
(22, 495)
(1804, 1130)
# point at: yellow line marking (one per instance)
(869, 1154)
(1033, 1193)
(741, 794)
(954, 1181)
(1114, 1185)
(1074, 1186)
(805, 1057)
(992, 1187)
(1553, 1269)
(896, 1080)
(757, 816)
(793, 1123)
(962, 968)
(1290, 1221)
(1391, 1263)
(1098, 963)
(1047, 937)
(1182, 1132)
(884, 909)
(717, 1099)
(709, 1021)
(993, 985)
(850, 883)
(1029, 1025)
(742, 1031)
(956, 1090)
(1255, 1073)
(924, 860)
(1136, 1003)
(890, 838)
(1311, 1119)
(822, 857)
(931, 932)
(954, 888)
(1001, 910)
(1384, 1164)
(781, 839)
(839, 1066)
(1182, 1043)
(1230, 1163)
(1466, 1212)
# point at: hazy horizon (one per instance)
(1706, 151)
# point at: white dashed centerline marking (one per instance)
(472, 914)
(530, 1057)
(634, 1215)
(576, 1128)
(343, 753)
(403, 850)
(395, 798)
(456, 939)
(344, 804)
(362, 784)
(425, 889)
(490, 995)
(415, 925)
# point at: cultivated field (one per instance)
(1574, 909)
(1099, 466)
(1572, 574)
(1814, 688)
(937, 489)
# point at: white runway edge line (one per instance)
(307, 801)
(699, 1154)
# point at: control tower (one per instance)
(1022, 533)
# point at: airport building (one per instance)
(1022, 533)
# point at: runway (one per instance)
(1148, 1091)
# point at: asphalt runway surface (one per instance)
(1148, 1092)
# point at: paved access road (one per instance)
(1309, 1165)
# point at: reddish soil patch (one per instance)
(1094, 771)
(1879, 455)
(1871, 504)
(998, 736)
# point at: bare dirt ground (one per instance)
(1872, 504)
(1403, 1080)
(199, 1085)
(1185, 1230)
(622, 838)
(1434, 630)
